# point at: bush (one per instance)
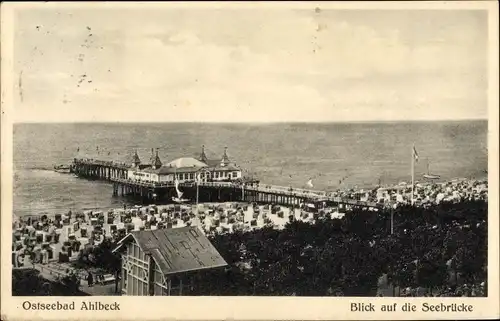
(349, 255)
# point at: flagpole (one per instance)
(392, 220)
(412, 171)
(197, 189)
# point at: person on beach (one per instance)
(90, 279)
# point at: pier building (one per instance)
(164, 261)
(184, 169)
(219, 169)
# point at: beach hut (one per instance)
(129, 227)
(18, 258)
(18, 245)
(68, 230)
(120, 226)
(44, 256)
(94, 221)
(65, 219)
(39, 226)
(84, 241)
(17, 235)
(39, 237)
(63, 257)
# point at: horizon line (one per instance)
(254, 122)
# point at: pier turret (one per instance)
(225, 160)
(203, 157)
(157, 162)
(152, 157)
(136, 161)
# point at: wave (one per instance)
(40, 168)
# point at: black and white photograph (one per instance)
(283, 151)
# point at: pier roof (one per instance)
(215, 164)
(157, 162)
(203, 157)
(164, 170)
(161, 171)
(135, 159)
(177, 250)
(186, 162)
(225, 158)
(228, 167)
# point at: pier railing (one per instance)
(272, 189)
(117, 173)
(90, 161)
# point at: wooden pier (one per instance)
(202, 192)
(101, 170)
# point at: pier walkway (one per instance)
(204, 191)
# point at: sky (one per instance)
(249, 65)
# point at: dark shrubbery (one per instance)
(347, 256)
(100, 256)
(28, 282)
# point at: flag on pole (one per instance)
(198, 177)
(309, 183)
(415, 154)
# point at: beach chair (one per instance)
(39, 237)
(107, 279)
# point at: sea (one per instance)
(334, 155)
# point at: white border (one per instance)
(254, 308)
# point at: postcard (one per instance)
(249, 161)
